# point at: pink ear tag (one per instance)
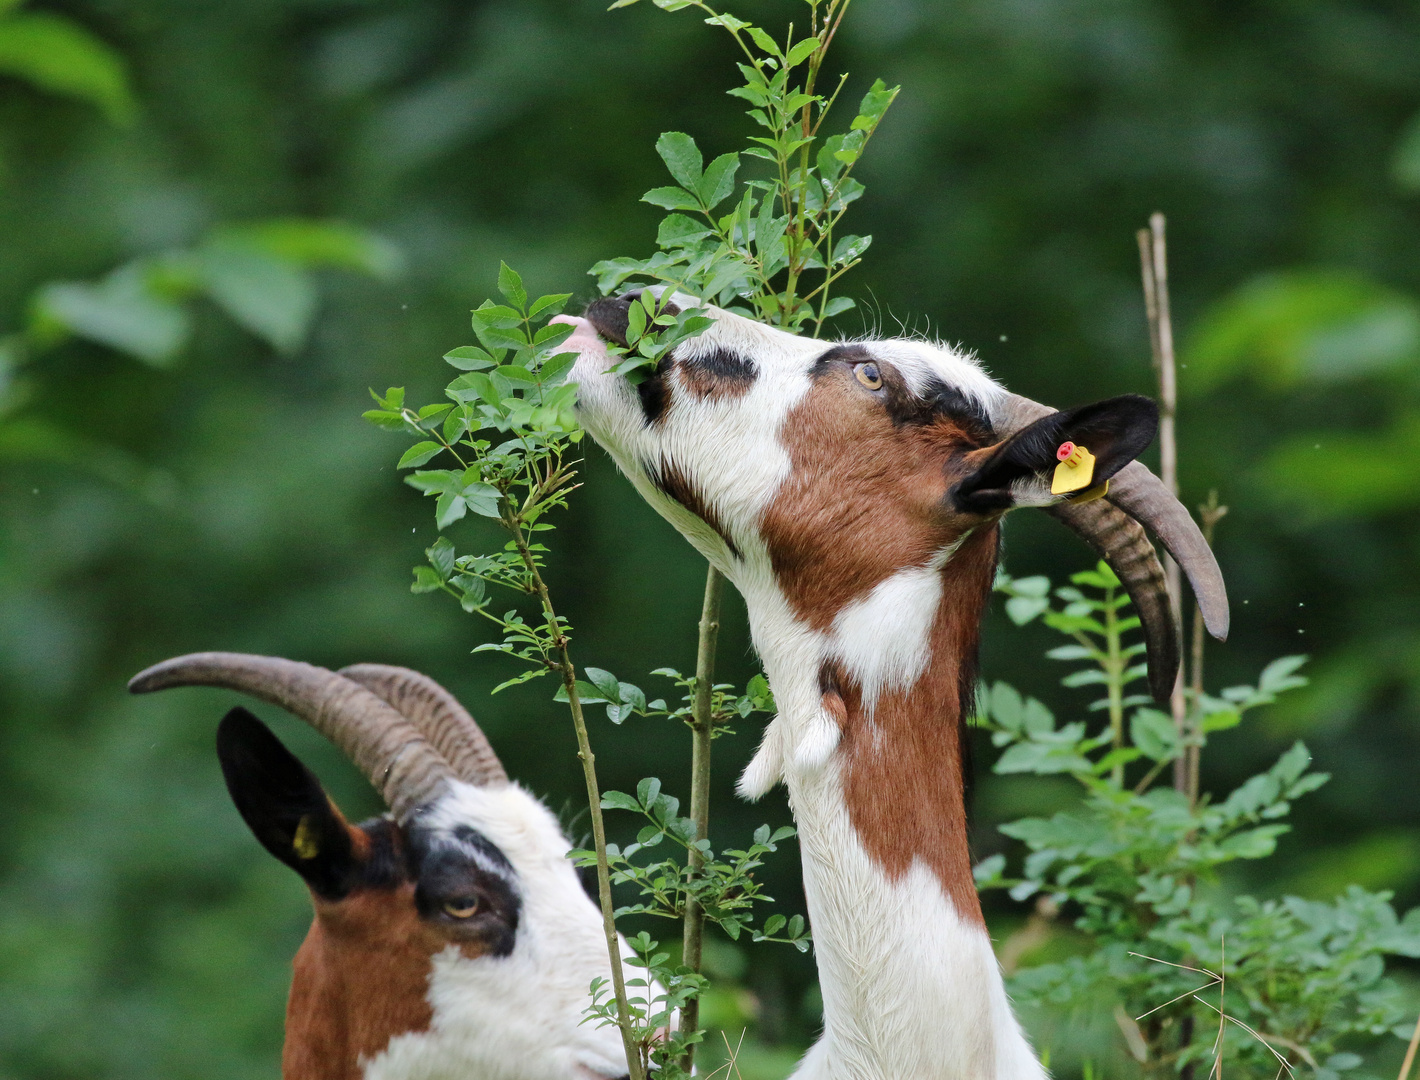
(1075, 471)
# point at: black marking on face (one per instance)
(653, 392)
(463, 870)
(672, 482)
(718, 373)
(386, 864)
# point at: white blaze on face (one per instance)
(517, 1017)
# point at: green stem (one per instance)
(594, 803)
(702, 726)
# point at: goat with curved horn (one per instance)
(452, 938)
(854, 493)
(438, 716)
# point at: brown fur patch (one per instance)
(866, 497)
(904, 769)
(360, 978)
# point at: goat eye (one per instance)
(462, 907)
(869, 375)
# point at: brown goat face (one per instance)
(420, 959)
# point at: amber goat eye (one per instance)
(462, 908)
(869, 376)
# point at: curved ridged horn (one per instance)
(1122, 542)
(1139, 497)
(404, 768)
(438, 715)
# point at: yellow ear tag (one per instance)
(1099, 491)
(1075, 471)
(305, 843)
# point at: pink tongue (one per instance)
(584, 338)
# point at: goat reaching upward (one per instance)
(853, 494)
(451, 939)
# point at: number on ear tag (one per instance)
(1075, 471)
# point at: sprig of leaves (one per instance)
(752, 252)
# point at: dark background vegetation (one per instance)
(224, 493)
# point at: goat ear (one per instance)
(284, 805)
(1018, 470)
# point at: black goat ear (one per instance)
(1019, 470)
(284, 805)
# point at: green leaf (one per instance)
(56, 54)
(122, 311)
(469, 358)
(1278, 675)
(449, 509)
(677, 230)
(837, 306)
(418, 454)
(718, 183)
(441, 557)
(682, 158)
(668, 198)
(1255, 843)
(764, 41)
(619, 800)
(800, 52)
(310, 243)
(272, 297)
(1154, 733)
(548, 306)
(1405, 164)
(648, 791)
(605, 682)
(1022, 609)
(425, 580)
(510, 284)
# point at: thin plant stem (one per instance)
(1210, 513)
(594, 802)
(1153, 265)
(1410, 1052)
(702, 726)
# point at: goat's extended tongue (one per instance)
(584, 338)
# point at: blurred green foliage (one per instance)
(220, 491)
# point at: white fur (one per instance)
(517, 1017)
(911, 990)
(882, 639)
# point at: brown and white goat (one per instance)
(452, 939)
(853, 494)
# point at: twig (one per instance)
(594, 802)
(1153, 264)
(702, 727)
(1410, 1053)
(1210, 513)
